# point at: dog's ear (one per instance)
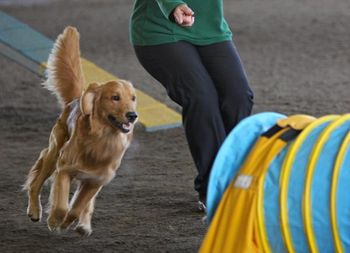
(87, 99)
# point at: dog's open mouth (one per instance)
(122, 126)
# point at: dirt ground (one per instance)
(297, 57)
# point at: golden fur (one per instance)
(87, 142)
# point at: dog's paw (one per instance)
(34, 212)
(83, 230)
(68, 220)
(55, 219)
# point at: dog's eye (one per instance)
(133, 98)
(116, 98)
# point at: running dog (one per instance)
(87, 142)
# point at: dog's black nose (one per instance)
(131, 116)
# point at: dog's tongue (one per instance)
(126, 126)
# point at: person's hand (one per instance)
(183, 15)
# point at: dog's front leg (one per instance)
(84, 226)
(86, 193)
(59, 197)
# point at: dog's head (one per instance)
(112, 104)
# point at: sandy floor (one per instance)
(297, 56)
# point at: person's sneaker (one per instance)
(201, 206)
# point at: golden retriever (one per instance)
(87, 142)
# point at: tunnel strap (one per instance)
(297, 122)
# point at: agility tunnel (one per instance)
(281, 184)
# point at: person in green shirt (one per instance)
(187, 46)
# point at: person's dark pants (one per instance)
(210, 84)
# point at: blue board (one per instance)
(23, 39)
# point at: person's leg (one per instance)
(178, 67)
(226, 70)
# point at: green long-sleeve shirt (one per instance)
(151, 23)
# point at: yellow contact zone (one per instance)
(285, 175)
(333, 199)
(153, 115)
(307, 214)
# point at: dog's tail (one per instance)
(64, 71)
